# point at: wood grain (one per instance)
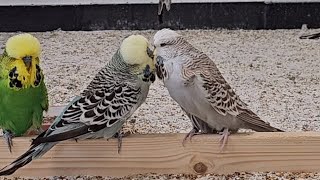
(164, 153)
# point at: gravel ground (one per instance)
(274, 72)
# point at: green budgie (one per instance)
(23, 93)
(114, 94)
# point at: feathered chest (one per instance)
(166, 68)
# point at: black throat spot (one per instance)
(13, 77)
(38, 76)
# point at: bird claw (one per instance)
(7, 135)
(123, 132)
(192, 133)
(223, 138)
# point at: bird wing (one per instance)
(99, 106)
(218, 92)
(44, 97)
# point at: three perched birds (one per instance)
(117, 91)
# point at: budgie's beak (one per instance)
(27, 60)
(150, 53)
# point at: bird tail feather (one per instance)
(34, 152)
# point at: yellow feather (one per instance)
(19, 46)
(22, 45)
(24, 75)
(132, 53)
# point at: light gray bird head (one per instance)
(164, 36)
(166, 43)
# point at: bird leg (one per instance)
(8, 135)
(224, 137)
(119, 136)
(192, 133)
(123, 132)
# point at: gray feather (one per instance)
(194, 81)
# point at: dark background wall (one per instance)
(144, 16)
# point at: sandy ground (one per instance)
(274, 72)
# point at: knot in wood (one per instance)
(200, 168)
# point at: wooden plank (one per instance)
(164, 153)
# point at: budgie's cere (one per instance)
(23, 94)
(194, 81)
(109, 100)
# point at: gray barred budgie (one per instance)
(194, 81)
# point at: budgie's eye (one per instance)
(163, 44)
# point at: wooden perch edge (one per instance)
(164, 154)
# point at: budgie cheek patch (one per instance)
(38, 76)
(148, 75)
(20, 76)
(13, 77)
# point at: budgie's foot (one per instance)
(119, 136)
(189, 136)
(8, 135)
(123, 132)
(224, 135)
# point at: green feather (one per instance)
(21, 109)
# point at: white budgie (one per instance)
(194, 81)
